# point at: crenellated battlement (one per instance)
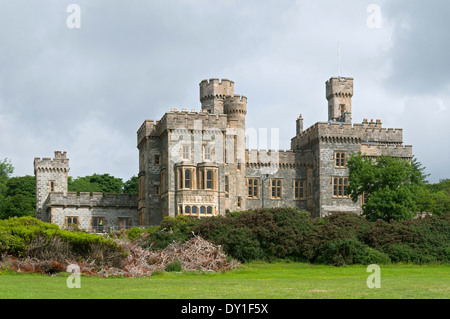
(60, 163)
(85, 199)
(339, 87)
(402, 151)
(235, 104)
(147, 128)
(216, 88)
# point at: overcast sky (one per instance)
(87, 90)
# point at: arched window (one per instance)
(187, 210)
(209, 210)
(202, 210)
(194, 210)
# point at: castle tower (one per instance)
(235, 107)
(213, 93)
(51, 176)
(339, 92)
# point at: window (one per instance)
(187, 178)
(187, 210)
(71, 221)
(207, 152)
(52, 186)
(186, 151)
(276, 188)
(209, 179)
(339, 159)
(209, 210)
(253, 187)
(239, 166)
(157, 159)
(239, 202)
(157, 190)
(364, 198)
(227, 183)
(194, 210)
(202, 210)
(340, 186)
(299, 189)
(342, 109)
(98, 224)
(124, 222)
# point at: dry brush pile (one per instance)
(51, 257)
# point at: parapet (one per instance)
(145, 130)
(59, 163)
(214, 87)
(85, 199)
(235, 104)
(339, 86)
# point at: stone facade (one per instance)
(95, 212)
(196, 163)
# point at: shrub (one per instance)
(258, 234)
(173, 266)
(420, 241)
(27, 236)
(342, 252)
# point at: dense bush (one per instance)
(171, 229)
(29, 237)
(174, 266)
(424, 240)
(338, 239)
(259, 234)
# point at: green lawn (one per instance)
(254, 280)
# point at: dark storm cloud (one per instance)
(88, 90)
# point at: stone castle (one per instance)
(197, 164)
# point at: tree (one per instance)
(434, 198)
(6, 169)
(390, 184)
(131, 186)
(19, 197)
(104, 183)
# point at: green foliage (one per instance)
(19, 197)
(179, 223)
(131, 186)
(390, 184)
(338, 239)
(424, 240)
(341, 252)
(174, 266)
(260, 234)
(18, 234)
(104, 183)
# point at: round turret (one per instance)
(213, 92)
(235, 107)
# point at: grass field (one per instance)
(252, 281)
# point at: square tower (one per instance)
(339, 92)
(51, 176)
